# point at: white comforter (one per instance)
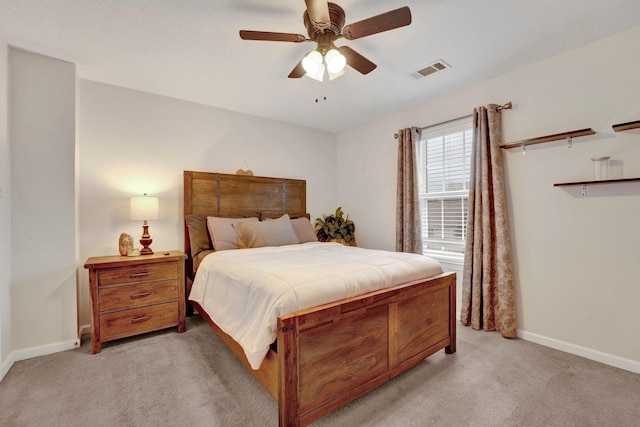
(244, 291)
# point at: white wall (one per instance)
(133, 142)
(5, 217)
(43, 262)
(575, 257)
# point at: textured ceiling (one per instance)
(191, 49)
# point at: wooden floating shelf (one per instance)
(626, 126)
(549, 138)
(602, 181)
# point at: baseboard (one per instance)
(29, 353)
(83, 330)
(598, 356)
(6, 365)
(42, 350)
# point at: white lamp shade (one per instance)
(144, 208)
(319, 75)
(312, 62)
(335, 61)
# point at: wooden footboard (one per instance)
(329, 355)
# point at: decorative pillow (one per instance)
(222, 232)
(304, 230)
(198, 235)
(277, 232)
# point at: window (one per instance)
(444, 160)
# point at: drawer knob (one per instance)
(144, 273)
(140, 319)
(140, 295)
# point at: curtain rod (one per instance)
(445, 122)
(506, 106)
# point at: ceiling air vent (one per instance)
(434, 67)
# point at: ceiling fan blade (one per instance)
(377, 24)
(274, 37)
(357, 61)
(297, 72)
(318, 11)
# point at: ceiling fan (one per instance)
(324, 22)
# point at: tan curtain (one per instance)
(408, 231)
(488, 300)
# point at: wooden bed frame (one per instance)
(326, 356)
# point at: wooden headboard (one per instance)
(236, 196)
(229, 196)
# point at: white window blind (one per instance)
(444, 160)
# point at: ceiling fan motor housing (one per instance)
(334, 27)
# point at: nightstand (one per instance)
(136, 294)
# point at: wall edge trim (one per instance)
(43, 350)
(588, 353)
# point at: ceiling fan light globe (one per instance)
(335, 61)
(318, 75)
(312, 62)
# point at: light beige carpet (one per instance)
(192, 379)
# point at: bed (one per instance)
(327, 355)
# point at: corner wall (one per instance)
(43, 249)
(575, 257)
(5, 217)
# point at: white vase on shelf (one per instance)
(600, 168)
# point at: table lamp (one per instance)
(145, 209)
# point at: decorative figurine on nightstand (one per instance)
(125, 244)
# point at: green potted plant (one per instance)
(336, 228)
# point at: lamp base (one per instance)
(146, 251)
(145, 240)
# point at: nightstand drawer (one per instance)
(137, 274)
(125, 323)
(136, 295)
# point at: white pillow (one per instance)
(266, 233)
(222, 233)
